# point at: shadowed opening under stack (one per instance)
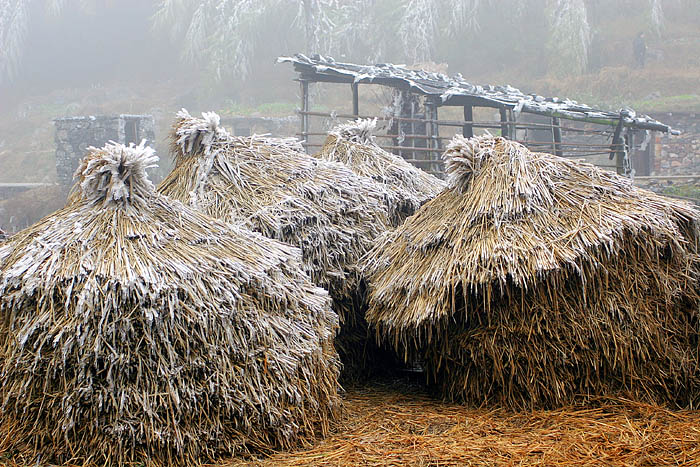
(534, 280)
(330, 213)
(134, 328)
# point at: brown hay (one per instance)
(385, 427)
(535, 278)
(331, 214)
(408, 187)
(136, 329)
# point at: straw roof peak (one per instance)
(406, 186)
(156, 333)
(506, 181)
(116, 174)
(360, 131)
(274, 187)
(530, 273)
(196, 135)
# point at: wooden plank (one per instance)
(556, 135)
(456, 123)
(468, 128)
(355, 100)
(668, 177)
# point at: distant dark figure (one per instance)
(640, 50)
(3, 235)
(595, 52)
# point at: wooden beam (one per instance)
(305, 109)
(355, 100)
(556, 136)
(468, 128)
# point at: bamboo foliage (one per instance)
(268, 184)
(136, 329)
(534, 279)
(407, 187)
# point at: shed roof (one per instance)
(454, 90)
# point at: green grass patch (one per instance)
(686, 191)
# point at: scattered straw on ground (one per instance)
(386, 426)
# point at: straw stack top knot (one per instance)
(464, 157)
(360, 131)
(195, 136)
(117, 173)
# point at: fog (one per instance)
(100, 57)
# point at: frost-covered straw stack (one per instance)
(533, 280)
(408, 188)
(330, 213)
(135, 328)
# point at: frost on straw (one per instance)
(136, 329)
(407, 187)
(533, 280)
(268, 184)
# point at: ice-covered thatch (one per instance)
(330, 213)
(134, 329)
(534, 279)
(408, 187)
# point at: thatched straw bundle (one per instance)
(408, 187)
(323, 208)
(134, 328)
(533, 279)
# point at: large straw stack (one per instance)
(408, 187)
(534, 279)
(322, 207)
(134, 328)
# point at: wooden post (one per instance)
(630, 145)
(556, 134)
(413, 123)
(504, 121)
(429, 128)
(436, 138)
(355, 100)
(468, 128)
(304, 116)
(620, 161)
(617, 147)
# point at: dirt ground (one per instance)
(396, 425)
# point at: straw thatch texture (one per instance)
(533, 279)
(134, 328)
(408, 187)
(323, 208)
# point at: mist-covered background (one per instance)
(87, 57)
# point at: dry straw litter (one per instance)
(534, 279)
(398, 428)
(408, 188)
(268, 184)
(136, 329)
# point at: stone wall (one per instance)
(678, 155)
(75, 134)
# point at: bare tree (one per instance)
(570, 36)
(13, 31)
